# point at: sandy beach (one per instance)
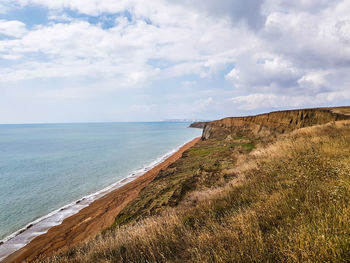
(92, 219)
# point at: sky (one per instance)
(141, 60)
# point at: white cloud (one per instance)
(315, 80)
(7, 5)
(59, 16)
(268, 100)
(285, 53)
(12, 28)
(78, 48)
(257, 73)
(301, 59)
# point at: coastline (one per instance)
(95, 216)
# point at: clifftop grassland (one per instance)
(239, 197)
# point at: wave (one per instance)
(40, 226)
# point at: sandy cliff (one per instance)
(271, 123)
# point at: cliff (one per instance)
(271, 123)
(198, 124)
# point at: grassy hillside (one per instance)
(283, 199)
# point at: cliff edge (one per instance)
(271, 123)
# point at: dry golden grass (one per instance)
(342, 110)
(290, 203)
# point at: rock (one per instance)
(206, 132)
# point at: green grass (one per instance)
(199, 167)
(248, 146)
(287, 201)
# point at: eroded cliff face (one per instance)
(273, 123)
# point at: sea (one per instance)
(51, 171)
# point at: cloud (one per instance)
(233, 75)
(301, 58)
(265, 100)
(258, 73)
(7, 5)
(311, 6)
(273, 101)
(260, 53)
(12, 28)
(77, 48)
(248, 12)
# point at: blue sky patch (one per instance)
(31, 15)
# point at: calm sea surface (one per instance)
(46, 166)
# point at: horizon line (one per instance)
(99, 122)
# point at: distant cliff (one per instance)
(199, 125)
(271, 123)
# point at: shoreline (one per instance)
(97, 215)
(41, 225)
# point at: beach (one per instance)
(92, 219)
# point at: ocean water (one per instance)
(46, 168)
